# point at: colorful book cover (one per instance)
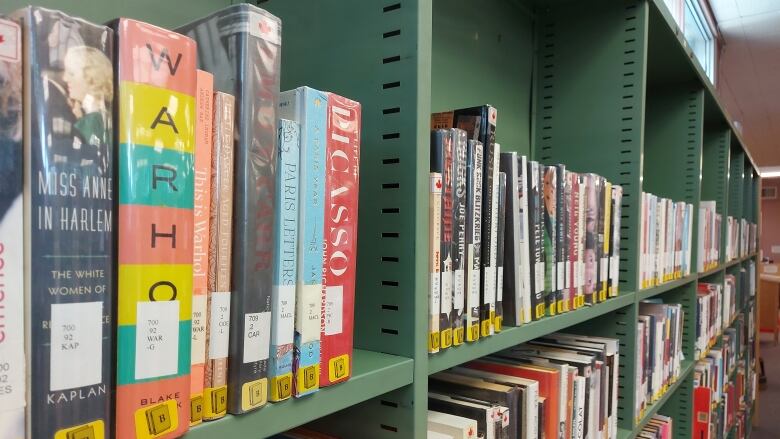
(280, 363)
(308, 107)
(215, 392)
(241, 46)
(434, 264)
(473, 238)
(200, 243)
(342, 181)
(12, 375)
(155, 226)
(614, 253)
(536, 239)
(459, 192)
(581, 228)
(549, 195)
(574, 240)
(68, 212)
(501, 204)
(561, 246)
(441, 162)
(604, 220)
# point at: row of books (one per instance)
(557, 386)
(708, 246)
(511, 240)
(198, 223)
(658, 427)
(665, 240)
(740, 238)
(658, 352)
(715, 310)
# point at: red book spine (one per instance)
(342, 166)
(701, 412)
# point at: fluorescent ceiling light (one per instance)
(769, 171)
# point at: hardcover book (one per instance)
(550, 246)
(220, 259)
(473, 238)
(241, 46)
(591, 237)
(605, 218)
(68, 209)
(308, 107)
(200, 241)
(441, 162)
(285, 262)
(459, 192)
(342, 181)
(501, 202)
(536, 239)
(614, 250)
(561, 247)
(524, 258)
(434, 264)
(155, 226)
(511, 255)
(12, 396)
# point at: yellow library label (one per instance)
(446, 338)
(90, 430)
(459, 336)
(254, 394)
(603, 295)
(338, 367)
(154, 421)
(473, 334)
(308, 379)
(433, 341)
(540, 311)
(196, 409)
(485, 328)
(580, 301)
(552, 309)
(281, 387)
(559, 306)
(498, 323)
(215, 402)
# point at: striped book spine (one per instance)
(342, 177)
(12, 390)
(308, 107)
(156, 113)
(68, 225)
(215, 397)
(200, 243)
(285, 262)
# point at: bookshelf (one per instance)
(606, 87)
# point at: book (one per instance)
(434, 263)
(342, 178)
(501, 201)
(592, 208)
(241, 46)
(605, 218)
(459, 253)
(561, 249)
(155, 227)
(67, 211)
(511, 255)
(220, 259)
(12, 343)
(537, 264)
(280, 362)
(441, 162)
(201, 209)
(524, 258)
(453, 426)
(473, 238)
(308, 107)
(614, 246)
(483, 412)
(550, 246)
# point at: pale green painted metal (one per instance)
(736, 183)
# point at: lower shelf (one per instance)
(373, 374)
(513, 335)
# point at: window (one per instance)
(700, 36)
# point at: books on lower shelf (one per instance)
(708, 244)
(560, 385)
(658, 427)
(665, 240)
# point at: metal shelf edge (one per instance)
(660, 289)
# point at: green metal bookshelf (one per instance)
(603, 86)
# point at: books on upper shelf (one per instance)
(658, 352)
(665, 240)
(560, 385)
(708, 248)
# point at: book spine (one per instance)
(591, 237)
(561, 246)
(200, 239)
(512, 314)
(473, 238)
(12, 342)
(581, 226)
(459, 192)
(285, 262)
(155, 227)
(243, 43)
(68, 224)
(574, 239)
(434, 265)
(215, 399)
(550, 242)
(524, 258)
(604, 262)
(536, 239)
(500, 233)
(487, 287)
(445, 147)
(614, 263)
(342, 178)
(493, 293)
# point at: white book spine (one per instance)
(434, 266)
(492, 292)
(525, 264)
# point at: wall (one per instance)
(770, 221)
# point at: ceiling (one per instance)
(749, 72)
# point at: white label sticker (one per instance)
(198, 329)
(458, 295)
(76, 345)
(446, 291)
(219, 324)
(334, 310)
(157, 339)
(561, 273)
(284, 317)
(603, 268)
(490, 285)
(539, 275)
(613, 267)
(435, 299)
(257, 334)
(12, 376)
(263, 27)
(500, 285)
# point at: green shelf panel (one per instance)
(654, 291)
(715, 173)
(373, 375)
(511, 336)
(736, 182)
(680, 408)
(624, 433)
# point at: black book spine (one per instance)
(600, 256)
(488, 287)
(500, 234)
(459, 192)
(510, 256)
(473, 238)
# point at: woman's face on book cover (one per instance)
(549, 192)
